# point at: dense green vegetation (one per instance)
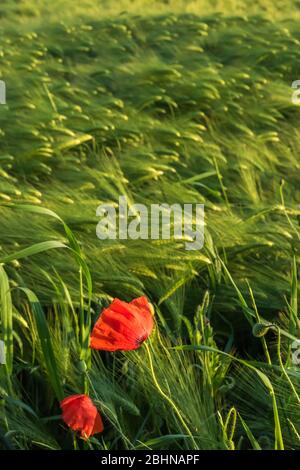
(161, 102)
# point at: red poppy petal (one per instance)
(69, 417)
(111, 336)
(119, 306)
(103, 344)
(98, 425)
(87, 426)
(112, 332)
(145, 308)
(123, 325)
(141, 302)
(120, 324)
(80, 414)
(66, 401)
(105, 338)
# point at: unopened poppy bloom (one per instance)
(123, 326)
(80, 414)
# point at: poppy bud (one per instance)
(261, 329)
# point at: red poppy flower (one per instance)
(80, 414)
(123, 326)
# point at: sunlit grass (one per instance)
(168, 102)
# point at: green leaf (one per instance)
(250, 436)
(6, 317)
(33, 250)
(46, 343)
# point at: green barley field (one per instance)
(162, 102)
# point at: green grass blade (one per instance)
(250, 436)
(264, 379)
(46, 343)
(6, 317)
(33, 250)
